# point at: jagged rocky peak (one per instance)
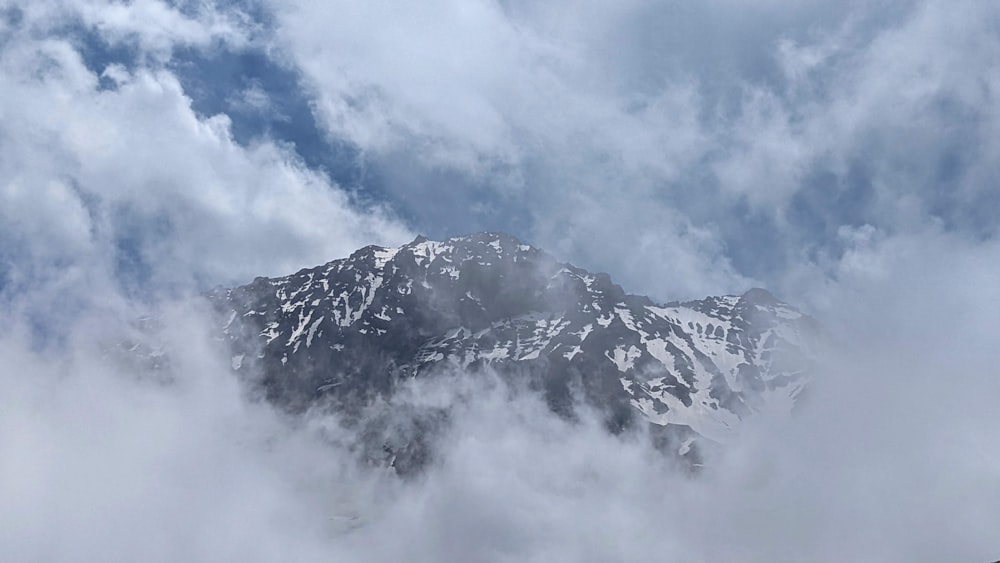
(353, 329)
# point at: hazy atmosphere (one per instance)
(843, 155)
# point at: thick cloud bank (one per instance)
(892, 458)
(844, 154)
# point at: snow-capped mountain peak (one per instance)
(352, 329)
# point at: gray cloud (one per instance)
(106, 463)
(762, 126)
(845, 154)
(891, 459)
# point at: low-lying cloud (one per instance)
(845, 155)
(891, 457)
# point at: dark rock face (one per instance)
(350, 331)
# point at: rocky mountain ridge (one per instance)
(350, 331)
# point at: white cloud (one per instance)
(730, 115)
(503, 99)
(106, 462)
(154, 27)
(86, 170)
(892, 457)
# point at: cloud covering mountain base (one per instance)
(843, 155)
(891, 457)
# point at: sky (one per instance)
(844, 155)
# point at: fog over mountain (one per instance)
(224, 340)
(349, 334)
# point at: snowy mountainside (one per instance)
(351, 330)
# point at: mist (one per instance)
(890, 456)
(843, 156)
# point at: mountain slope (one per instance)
(351, 330)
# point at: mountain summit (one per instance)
(350, 331)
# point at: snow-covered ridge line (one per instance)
(356, 326)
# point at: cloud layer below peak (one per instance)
(843, 154)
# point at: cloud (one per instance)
(892, 456)
(891, 459)
(844, 154)
(531, 117)
(154, 27)
(107, 462)
(763, 127)
(115, 194)
(109, 171)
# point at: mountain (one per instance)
(347, 334)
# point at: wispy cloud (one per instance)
(843, 153)
(110, 170)
(763, 127)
